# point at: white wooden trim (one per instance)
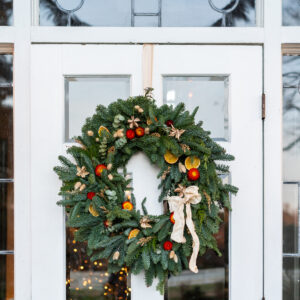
(290, 34)
(273, 152)
(141, 35)
(22, 152)
(7, 34)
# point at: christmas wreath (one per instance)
(100, 203)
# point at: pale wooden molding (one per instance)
(6, 48)
(147, 65)
(291, 49)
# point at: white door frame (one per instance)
(271, 36)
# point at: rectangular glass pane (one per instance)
(83, 94)
(174, 13)
(212, 280)
(6, 133)
(291, 177)
(6, 277)
(6, 70)
(6, 12)
(210, 93)
(6, 216)
(290, 12)
(291, 278)
(88, 280)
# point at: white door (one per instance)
(68, 81)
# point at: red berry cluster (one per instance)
(139, 132)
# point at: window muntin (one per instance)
(291, 177)
(6, 180)
(150, 13)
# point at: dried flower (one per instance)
(82, 172)
(165, 173)
(176, 132)
(80, 143)
(77, 185)
(180, 190)
(156, 134)
(110, 177)
(119, 133)
(109, 166)
(97, 139)
(208, 198)
(90, 133)
(185, 147)
(144, 221)
(181, 167)
(147, 130)
(133, 122)
(173, 256)
(142, 241)
(111, 149)
(116, 255)
(82, 187)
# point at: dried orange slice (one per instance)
(127, 205)
(133, 233)
(102, 129)
(170, 157)
(93, 211)
(192, 162)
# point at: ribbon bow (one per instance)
(176, 204)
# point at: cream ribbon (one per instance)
(176, 203)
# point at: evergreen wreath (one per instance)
(100, 203)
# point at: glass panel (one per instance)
(6, 133)
(291, 177)
(174, 13)
(209, 93)
(90, 281)
(6, 216)
(291, 278)
(290, 12)
(6, 72)
(6, 12)
(6, 277)
(83, 94)
(212, 280)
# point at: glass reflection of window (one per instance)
(84, 93)
(6, 180)
(148, 13)
(291, 178)
(210, 93)
(86, 279)
(290, 12)
(6, 12)
(212, 280)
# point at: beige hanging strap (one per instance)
(147, 65)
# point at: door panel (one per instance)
(227, 81)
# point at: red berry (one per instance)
(140, 131)
(193, 174)
(172, 218)
(91, 195)
(169, 123)
(106, 223)
(130, 134)
(168, 245)
(99, 169)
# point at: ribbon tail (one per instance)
(196, 242)
(178, 227)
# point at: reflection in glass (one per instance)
(6, 12)
(6, 277)
(291, 177)
(6, 132)
(211, 283)
(290, 13)
(6, 72)
(84, 94)
(90, 280)
(209, 93)
(174, 13)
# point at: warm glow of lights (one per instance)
(121, 273)
(77, 289)
(100, 280)
(106, 287)
(109, 290)
(90, 287)
(89, 281)
(74, 242)
(85, 283)
(105, 294)
(81, 267)
(75, 250)
(190, 94)
(100, 264)
(85, 261)
(95, 263)
(106, 274)
(120, 278)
